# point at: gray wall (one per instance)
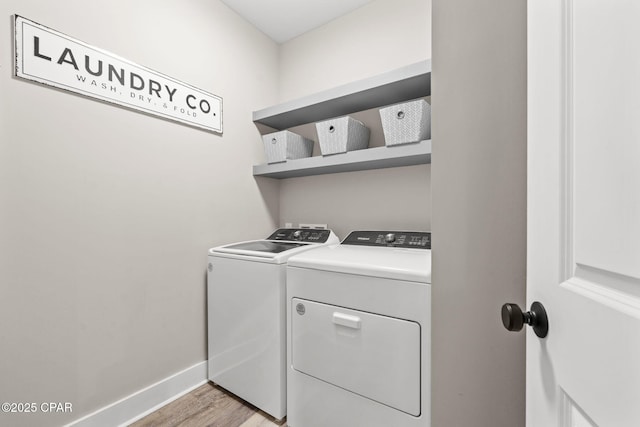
(106, 214)
(379, 37)
(479, 210)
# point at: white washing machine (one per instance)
(247, 315)
(359, 332)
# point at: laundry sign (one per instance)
(55, 59)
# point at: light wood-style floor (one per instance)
(210, 406)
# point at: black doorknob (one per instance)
(514, 319)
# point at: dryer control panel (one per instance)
(301, 235)
(396, 239)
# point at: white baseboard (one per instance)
(141, 403)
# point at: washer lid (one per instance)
(262, 250)
(265, 246)
(276, 249)
(412, 265)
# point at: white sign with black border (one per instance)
(54, 59)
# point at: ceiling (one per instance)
(283, 20)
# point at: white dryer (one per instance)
(247, 315)
(359, 332)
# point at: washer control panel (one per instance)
(396, 239)
(301, 235)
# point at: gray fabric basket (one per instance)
(285, 145)
(406, 123)
(341, 135)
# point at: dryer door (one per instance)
(377, 357)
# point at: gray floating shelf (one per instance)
(370, 158)
(410, 82)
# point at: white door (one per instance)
(583, 234)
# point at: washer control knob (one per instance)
(297, 234)
(390, 238)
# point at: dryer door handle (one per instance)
(346, 320)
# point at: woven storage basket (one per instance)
(407, 122)
(286, 145)
(341, 135)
